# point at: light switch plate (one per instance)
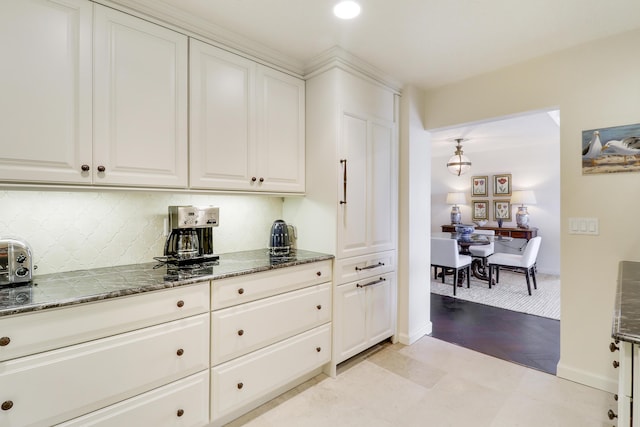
(584, 226)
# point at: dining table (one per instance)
(465, 241)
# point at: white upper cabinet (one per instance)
(140, 102)
(246, 124)
(280, 151)
(95, 96)
(221, 140)
(113, 112)
(45, 82)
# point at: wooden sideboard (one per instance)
(516, 233)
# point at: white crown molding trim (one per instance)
(194, 26)
(337, 57)
(197, 27)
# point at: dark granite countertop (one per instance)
(626, 314)
(82, 286)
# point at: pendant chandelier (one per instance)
(459, 164)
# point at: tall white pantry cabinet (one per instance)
(352, 190)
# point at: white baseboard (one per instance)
(587, 378)
(408, 339)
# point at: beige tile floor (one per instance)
(434, 383)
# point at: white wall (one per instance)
(595, 85)
(534, 165)
(88, 229)
(414, 252)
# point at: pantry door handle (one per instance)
(343, 162)
(380, 264)
(375, 282)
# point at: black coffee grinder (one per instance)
(190, 239)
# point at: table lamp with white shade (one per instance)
(456, 199)
(522, 198)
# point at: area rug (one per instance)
(511, 293)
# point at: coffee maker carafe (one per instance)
(190, 237)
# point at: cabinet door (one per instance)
(383, 188)
(368, 219)
(221, 115)
(280, 131)
(353, 221)
(364, 315)
(45, 82)
(140, 102)
(349, 321)
(381, 308)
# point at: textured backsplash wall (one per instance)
(87, 229)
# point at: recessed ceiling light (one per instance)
(346, 9)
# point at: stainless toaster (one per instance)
(16, 263)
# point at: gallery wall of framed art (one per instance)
(493, 197)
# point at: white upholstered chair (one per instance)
(525, 262)
(445, 255)
(483, 251)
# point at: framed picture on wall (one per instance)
(479, 186)
(480, 210)
(502, 210)
(502, 185)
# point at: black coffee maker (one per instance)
(190, 237)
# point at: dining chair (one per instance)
(525, 262)
(445, 255)
(483, 251)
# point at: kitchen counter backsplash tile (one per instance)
(82, 286)
(74, 230)
(626, 314)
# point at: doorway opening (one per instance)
(526, 149)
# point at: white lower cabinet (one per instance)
(74, 380)
(50, 329)
(241, 382)
(240, 329)
(136, 353)
(165, 358)
(628, 366)
(183, 403)
(364, 314)
(269, 333)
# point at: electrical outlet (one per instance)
(584, 226)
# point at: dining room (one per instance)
(509, 157)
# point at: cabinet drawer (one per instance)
(241, 289)
(183, 403)
(240, 381)
(361, 267)
(58, 385)
(35, 332)
(247, 327)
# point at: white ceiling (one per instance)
(423, 42)
(530, 129)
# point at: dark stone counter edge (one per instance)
(626, 319)
(150, 288)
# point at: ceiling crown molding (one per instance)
(199, 28)
(337, 57)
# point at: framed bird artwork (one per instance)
(611, 150)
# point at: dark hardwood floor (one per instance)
(529, 340)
